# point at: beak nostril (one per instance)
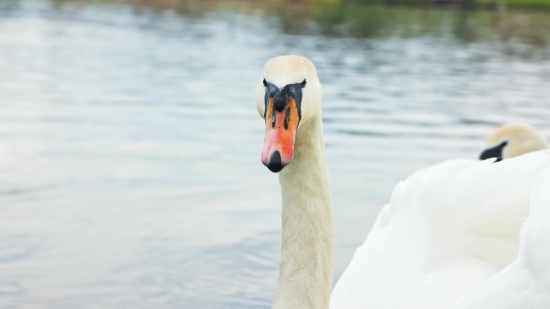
(287, 117)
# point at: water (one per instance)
(130, 172)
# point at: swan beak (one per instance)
(280, 135)
(488, 154)
(495, 152)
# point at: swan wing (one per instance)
(525, 284)
(446, 229)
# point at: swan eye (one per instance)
(265, 83)
(303, 83)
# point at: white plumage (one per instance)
(525, 284)
(446, 230)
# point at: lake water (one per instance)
(130, 173)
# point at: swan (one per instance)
(512, 140)
(446, 230)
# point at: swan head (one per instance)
(512, 140)
(288, 94)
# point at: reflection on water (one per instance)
(130, 171)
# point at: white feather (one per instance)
(446, 230)
(525, 284)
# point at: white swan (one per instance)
(446, 230)
(512, 140)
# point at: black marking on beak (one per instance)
(280, 99)
(287, 117)
(273, 118)
(495, 152)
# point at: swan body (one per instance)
(524, 284)
(447, 232)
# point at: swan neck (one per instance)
(306, 268)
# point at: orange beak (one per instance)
(280, 135)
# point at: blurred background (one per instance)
(130, 173)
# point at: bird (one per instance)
(512, 140)
(447, 230)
